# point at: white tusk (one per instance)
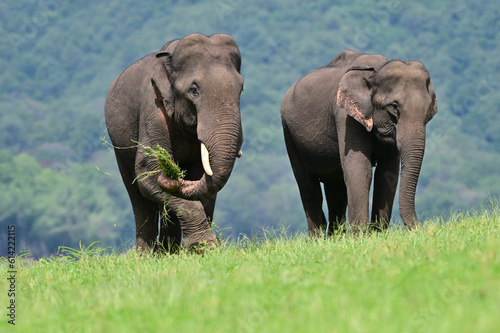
(205, 160)
(240, 153)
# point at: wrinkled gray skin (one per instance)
(180, 97)
(341, 120)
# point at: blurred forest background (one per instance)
(60, 185)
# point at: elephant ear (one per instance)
(354, 95)
(160, 80)
(433, 108)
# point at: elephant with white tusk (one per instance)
(186, 98)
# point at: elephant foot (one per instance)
(144, 247)
(357, 230)
(202, 247)
(199, 243)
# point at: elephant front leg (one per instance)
(146, 224)
(189, 215)
(384, 190)
(355, 147)
(358, 178)
(193, 221)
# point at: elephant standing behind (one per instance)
(186, 98)
(341, 120)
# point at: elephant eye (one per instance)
(394, 109)
(193, 90)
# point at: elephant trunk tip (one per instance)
(168, 184)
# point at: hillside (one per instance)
(58, 58)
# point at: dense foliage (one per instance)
(58, 58)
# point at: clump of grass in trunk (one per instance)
(167, 164)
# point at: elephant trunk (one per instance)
(220, 141)
(411, 148)
(222, 147)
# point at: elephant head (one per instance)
(394, 102)
(197, 83)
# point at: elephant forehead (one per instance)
(200, 57)
(204, 71)
(410, 71)
(200, 39)
(204, 50)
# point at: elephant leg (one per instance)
(209, 206)
(145, 211)
(336, 198)
(312, 201)
(355, 146)
(384, 190)
(190, 214)
(170, 231)
(193, 221)
(146, 222)
(309, 188)
(358, 180)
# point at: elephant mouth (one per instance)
(387, 140)
(386, 134)
(385, 128)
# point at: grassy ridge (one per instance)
(442, 278)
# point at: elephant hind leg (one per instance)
(312, 201)
(336, 198)
(309, 188)
(146, 212)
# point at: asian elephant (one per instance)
(186, 98)
(343, 119)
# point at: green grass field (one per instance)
(442, 278)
